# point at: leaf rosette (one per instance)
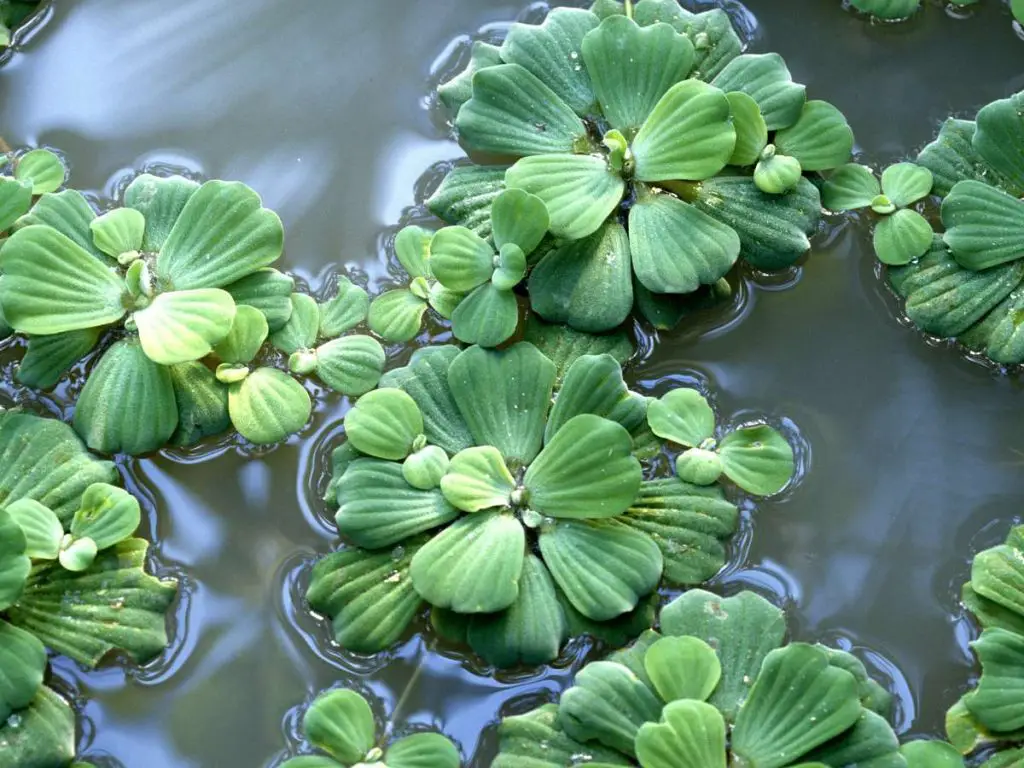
(461, 486)
(662, 152)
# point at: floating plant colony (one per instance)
(509, 488)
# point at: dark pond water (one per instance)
(916, 454)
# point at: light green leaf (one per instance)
(15, 201)
(519, 218)
(903, 237)
(820, 139)
(397, 315)
(461, 259)
(108, 515)
(758, 459)
(425, 468)
(478, 479)
(443, 301)
(113, 606)
(40, 525)
(51, 285)
(632, 68)
(459, 89)
(777, 174)
(14, 563)
(798, 702)
(676, 247)
(984, 226)
(70, 214)
(997, 574)
(487, 316)
(996, 702)
(128, 403)
(872, 695)
(422, 750)
(512, 112)
(530, 631)
(161, 201)
(691, 734)
(184, 325)
(851, 187)
(751, 131)
(682, 668)
(714, 39)
(551, 51)
(594, 384)
(683, 416)
(603, 566)
(564, 346)
(385, 424)
(300, 332)
(351, 365)
(22, 664)
(930, 754)
(474, 565)
(607, 704)
(905, 183)
(890, 10)
(466, 195)
(368, 597)
(48, 358)
(119, 232)
(586, 283)
(699, 466)
(504, 397)
(536, 740)
(579, 191)
(44, 737)
(78, 555)
(1000, 136)
(42, 170)
(765, 78)
(586, 471)
(268, 406)
(512, 265)
(988, 613)
(341, 723)
(412, 247)
(248, 332)
(267, 290)
(202, 403)
(222, 235)
(345, 311)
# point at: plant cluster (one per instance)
(72, 581)
(900, 10)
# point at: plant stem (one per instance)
(629, 9)
(404, 698)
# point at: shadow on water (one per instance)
(323, 107)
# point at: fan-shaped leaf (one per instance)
(22, 664)
(412, 247)
(44, 736)
(466, 195)
(345, 311)
(119, 231)
(519, 218)
(999, 138)
(300, 332)
(564, 345)
(425, 468)
(459, 89)
(682, 416)
(267, 290)
(751, 131)
(268, 406)
(181, 326)
(905, 183)
(351, 365)
(108, 515)
(385, 424)
(478, 479)
(14, 563)
(41, 170)
(691, 734)
(536, 739)
(461, 259)
(70, 214)
(931, 754)
(902, 237)
(397, 315)
(871, 742)
(15, 201)
(765, 77)
(488, 316)
(851, 187)
(202, 403)
(161, 201)
(951, 157)
(820, 138)
(682, 668)
(984, 225)
(248, 332)
(996, 702)
(48, 358)
(341, 723)
(40, 525)
(594, 385)
(758, 459)
(422, 750)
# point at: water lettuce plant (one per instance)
(898, 10)
(341, 725)
(718, 685)
(521, 522)
(72, 581)
(661, 151)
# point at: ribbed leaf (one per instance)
(870, 742)
(267, 290)
(426, 468)
(478, 479)
(341, 723)
(14, 563)
(22, 664)
(777, 174)
(41, 169)
(758, 459)
(108, 515)
(459, 89)
(248, 332)
(683, 416)
(519, 218)
(268, 406)
(422, 750)
(351, 365)
(461, 259)
(15, 201)
(932, 754)
(850, 187)
(997, 574)
(536, 740)
(302, 327)
(48, 358)
(902, 237)
(996, 702)
(385, 424)
(751, 131)
(691, 734)
(466, 194)
(951, 157)
(345, 311)
(820, 139)
(181, 326)
(564, 345)
(594, 384)
(40, 525)
(119, 231)
(161, 201)
(984, 225)
(488, 316)
(765, 77)
(906, 183)
(44, 736)
(202, 403)
(682, 668)
(999, 138)
(70, 214)
(397, 315)
(715, 41)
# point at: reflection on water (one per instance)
(321, 105)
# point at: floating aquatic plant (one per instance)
(899, 10)
(661, 151)
(14, 13)
(72, 580)
(717, 686)
(341, 725)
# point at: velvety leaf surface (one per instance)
(45, 737)
(851, 187)
(758, 459)
(820, 138)
(384, 423)
(683, 416)
(984, 225)
(345, 310)
(594, 384)
(249, 330)
(182, 326)
(41, 527)
(751, 131)
(302, 327)
(70, 214)
(870, 742)
(765, 78)
(902, 237)
(478, 479)
(397, 315)
(999, 138)
(48, 358)
(536, 740)
(487, 316)
(119, 231)
(906, 183)
(461, 259)
(202, 403)
(996, 702)
(41, 169)
(564, 345)
(682, 668)
(351, 365)
(15, 201)
(951, 157)
(341, 723)
(267, 290)
(268, 406)
(161, 201)
(22, 664)
(931, 754)
(459, 89)
(422, 750)
(690, 735)
(466, 195)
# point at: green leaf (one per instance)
(564, 346)
(369, 597)
(161, 201)
(984, 226)
(423, 750)
(632, 68)
(473, 566)
(870, 742)
(530, 631)
(1000, 136)
(903, 237)
(426, 468)
(51, 285)
(459, 89)
(14, 563)
(385, 424)
(518, 217)
(586, 471)
(699, 466)
(872, 695)
(997, 574)
(715, 41)
(758, 459)
(478, 479)
(397, 315)
(536, 740)
(119, 232)
(951, 157)
(579, 191)
(182, 326)
(765, 78)
(676, 247)
(248, 332)
(40, 525)
(341, 723)
(461, 259)
(78, 555)
(996, 702)
(690, 735)
(41, 170)
(594, 385)
(851, 187)
(300, 331)
(412, 247)
(443, 301)
(108, 515)
(743, 629)
(113, 606)
(504, 397)
(512, 112)
(797, 702)
(751, 131)
(689, 135)
(48, 358)
(512, 264)
(15, 201)
(351, 365)
(466, 195)
(607, 704)
(487, 316)
(603, 566)
(905, 183)
(820, 138)
(777, 174)
(551, 51)
(222, 235)
(931, 754)
(345, 311)
(70, 214)
(990, 614)
(267, 290)
(202, 403)
(891, 10)
(22, 664)
(682, 668)
(128, 403)
(682, 416)
(268, 406)
(44, 736)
